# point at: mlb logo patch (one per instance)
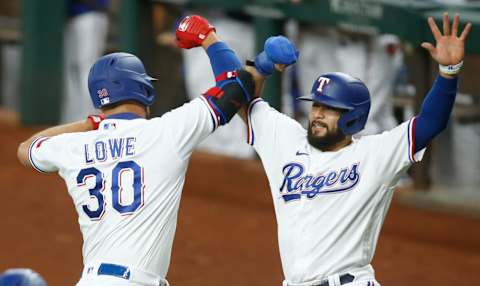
(105, 100)
(110, 126)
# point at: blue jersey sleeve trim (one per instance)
(213, 116)
(251, 135)
(218, 112)
(30, 158)
(411, 140)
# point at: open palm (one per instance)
(449, 49)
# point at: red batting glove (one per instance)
(95, 120)
(192, 31)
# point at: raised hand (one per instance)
(279, 52)
(449, 48)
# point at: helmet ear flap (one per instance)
(350, 123)
(146, 91)
(354, 121)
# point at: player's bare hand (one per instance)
(449, 48)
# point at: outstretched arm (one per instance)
(194, 31)
(223, 59)
(437, 105)
(279, 52)
(234, 86)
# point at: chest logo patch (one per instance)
(297, 183)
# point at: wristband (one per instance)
(451, 69)
(95, 120)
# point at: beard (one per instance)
(324, 142)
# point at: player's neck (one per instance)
(339, 145)
(127, 108)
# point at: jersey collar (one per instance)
(124, 115)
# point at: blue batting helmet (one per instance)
(340, 90)
(21, 277)
(120, 77)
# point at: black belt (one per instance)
(344, 279)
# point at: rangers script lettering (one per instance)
(296, 184)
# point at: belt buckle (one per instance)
(346, 278)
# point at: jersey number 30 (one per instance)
(97, 191)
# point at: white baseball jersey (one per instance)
(329, 206)
(125, 180)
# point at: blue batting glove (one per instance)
(277, 50)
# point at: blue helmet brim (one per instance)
(150, 78)
(327, 101)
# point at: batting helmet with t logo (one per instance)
(342, 91)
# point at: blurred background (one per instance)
(226, 233)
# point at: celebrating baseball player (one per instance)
(331, 192)
(125, 173)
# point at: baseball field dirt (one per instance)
(226, 233)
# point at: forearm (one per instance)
(259, 81)
(222, 58)
(435, 112)
(79, 126)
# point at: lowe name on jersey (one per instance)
(112, 148)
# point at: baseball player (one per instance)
(331, 192)
(125, 173)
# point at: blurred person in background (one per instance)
(10, 60)
(384, 63)
(166, 58)
(85, 39)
